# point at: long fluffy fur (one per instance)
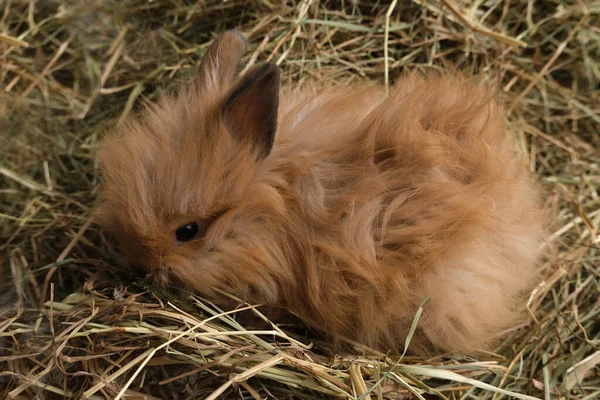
(365, 206)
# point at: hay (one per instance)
(73, 324)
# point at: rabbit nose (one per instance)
(138, 271)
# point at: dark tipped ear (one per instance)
(221, 60)
(250, 111)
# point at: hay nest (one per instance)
(72, 324)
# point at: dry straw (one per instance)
(72, 324)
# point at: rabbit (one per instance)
(344, 205)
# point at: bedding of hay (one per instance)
(74, 324)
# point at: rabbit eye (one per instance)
(196, 230)
(186, 232)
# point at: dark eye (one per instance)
(186, 232)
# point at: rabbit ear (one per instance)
(250, 111)
(221, 60)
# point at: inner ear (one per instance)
(250, 110)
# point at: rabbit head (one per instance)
(183, 191)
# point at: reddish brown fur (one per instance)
(364, 207)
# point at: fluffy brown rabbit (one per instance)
(344, 206)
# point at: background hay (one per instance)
(73, 324)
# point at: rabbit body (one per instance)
(349, 211)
